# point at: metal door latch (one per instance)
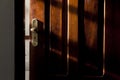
(34, 33)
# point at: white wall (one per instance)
(6, 39)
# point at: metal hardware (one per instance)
(34, 33)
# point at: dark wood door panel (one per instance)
(70, 46)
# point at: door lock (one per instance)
(34, 32)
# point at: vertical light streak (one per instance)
(67, 36)
(27, 28)
(104, 38)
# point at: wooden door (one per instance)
(68, 39)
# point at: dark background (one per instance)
(6, 39)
